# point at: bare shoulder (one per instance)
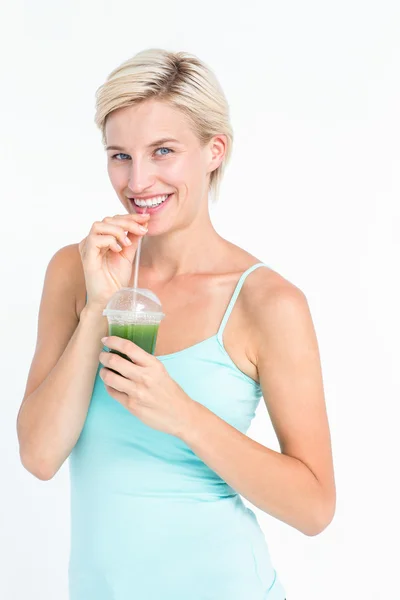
(269, 299)
(267, 288)
(70, 261)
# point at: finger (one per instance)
(124, 399)
(133, 216)
(126, 223)
(117, 229)
(134, 352)
(121, 365)
(119, 396)
(116, 382)
(102, 242)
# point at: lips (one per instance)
(150, 209)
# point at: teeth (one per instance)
(151, 201)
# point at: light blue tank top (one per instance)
(149, 519)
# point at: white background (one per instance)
(312, 190)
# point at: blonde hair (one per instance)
(184, 82)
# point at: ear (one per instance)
(217, 147)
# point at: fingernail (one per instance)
(143, 229)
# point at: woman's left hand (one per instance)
(145, 387)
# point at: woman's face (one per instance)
(153, 152)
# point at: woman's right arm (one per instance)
(62, 374)
(63, 370)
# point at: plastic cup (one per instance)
(134, 314)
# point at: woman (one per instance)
(159, 458)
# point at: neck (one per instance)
(191, 248)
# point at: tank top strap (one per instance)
(234, 298)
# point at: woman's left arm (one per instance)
(295, 485)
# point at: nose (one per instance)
(141, 176)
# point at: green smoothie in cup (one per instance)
(141, 334)
(135, 315)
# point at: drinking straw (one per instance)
(137, 259)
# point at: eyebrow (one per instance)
(152, 145)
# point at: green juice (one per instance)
(141, 334)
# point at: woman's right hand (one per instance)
(107, 266)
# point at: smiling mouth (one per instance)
(151, 202)
(150, 207)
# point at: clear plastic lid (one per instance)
(133, 305)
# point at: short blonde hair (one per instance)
(184, 82)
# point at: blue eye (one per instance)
(119, 154)
(164, 154)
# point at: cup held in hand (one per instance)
(134, 314)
